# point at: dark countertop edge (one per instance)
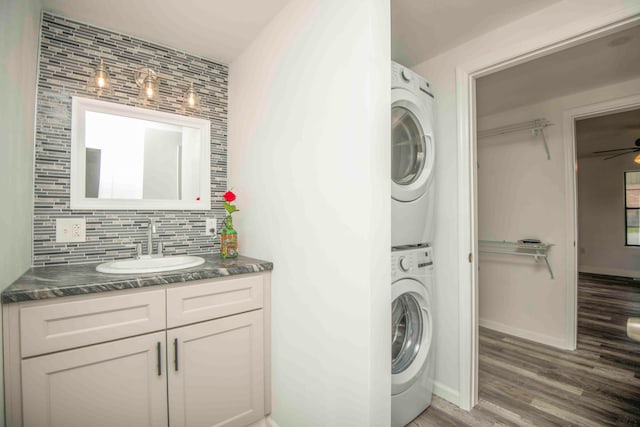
(49, 289)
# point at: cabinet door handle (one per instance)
(175, 353)
(159, 349)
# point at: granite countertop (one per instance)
(80, 279)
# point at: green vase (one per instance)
(228, 239)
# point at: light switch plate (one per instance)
(211, 227)
(70, 230)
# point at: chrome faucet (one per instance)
(150, 230)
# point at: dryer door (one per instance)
(411, 332)
(412, 146)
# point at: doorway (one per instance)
(556, 159)
(608, 182)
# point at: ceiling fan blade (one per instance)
(618, 155)
(615, 149)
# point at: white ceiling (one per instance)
(421, 29)
(222, 29)
(619, 130)
(214, 29)
(607, 60)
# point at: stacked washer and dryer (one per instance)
(412, 230)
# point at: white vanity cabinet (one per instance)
(191, 354)
(217, 367)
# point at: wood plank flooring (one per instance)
(522, 383)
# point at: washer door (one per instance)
(412, 147)
(411, 332)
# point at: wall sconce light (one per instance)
(100, 81)
(191, 98)
(148, 81)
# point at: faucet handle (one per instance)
(139, 250)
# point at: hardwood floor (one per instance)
(524, 383)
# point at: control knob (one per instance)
(404, 264)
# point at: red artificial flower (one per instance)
(229, 196)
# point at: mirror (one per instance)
(132, 158)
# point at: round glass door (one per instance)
(406, 332)
(408, 146)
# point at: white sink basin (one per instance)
(150, 265)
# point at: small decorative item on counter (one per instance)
(229, 236)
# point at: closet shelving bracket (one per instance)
(539, 251)
(536, 127)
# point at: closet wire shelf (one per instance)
(539, 251)
(536, 127)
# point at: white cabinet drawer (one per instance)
(63, 325)
(210, 300)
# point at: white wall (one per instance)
(309, 162)
(19, 31)
(555, 23)
(601, 232)
(522, 194)
(19, 23)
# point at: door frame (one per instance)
(569, 118)
(620, 18)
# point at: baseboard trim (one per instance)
(265, 422)
(528, 335)
(446, 392)
(608, 271)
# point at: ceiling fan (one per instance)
(621, 151)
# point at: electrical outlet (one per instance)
(70, 230)
(211, 227)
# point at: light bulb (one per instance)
(99, 79)
(637, 159)
(149, 90)
(190, 99)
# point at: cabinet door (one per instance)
(104, 385)
(218, 376)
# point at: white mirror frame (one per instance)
(78, 200)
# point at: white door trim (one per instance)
(620, 17)
(571, 180)
(467, 241)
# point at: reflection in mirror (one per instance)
(137, 159)
(130, 161)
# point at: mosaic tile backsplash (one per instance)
(69, 51)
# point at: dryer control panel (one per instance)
(404, 77)
(410, 261)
